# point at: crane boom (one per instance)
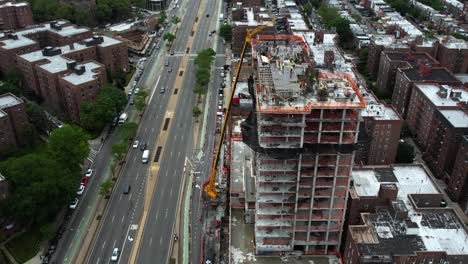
(210, 187)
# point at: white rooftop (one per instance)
(414, 180)
(121, 27)
(23, 40)
(8, 100)
(87, 76)
(8, 4)
(457, 118)
(430, 91)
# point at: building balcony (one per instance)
(280, 198)
(274, 233)
(266, 223)
(279, 210)
(276, 189)
(276, 178)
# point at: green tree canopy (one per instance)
(169, 37)
(119, 150)
(196, 112)
(96, 114)
(69, 146)
(307, 9)
(225, 31)
(140, 101)
(128, 130)
(175, 20)
(41, 186)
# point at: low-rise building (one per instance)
(398, 215)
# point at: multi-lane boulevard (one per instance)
(122, 221)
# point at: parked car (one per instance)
(80, 189)
(135, 144)
(89, 172)
(84, 181)
(172, 52)
(74, 203)
(163, 89)
(169, 70)
(115, 254)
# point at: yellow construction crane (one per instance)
(210, 187)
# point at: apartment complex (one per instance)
(398, 215)
(15, 15)
(13, 122)
(303, 136)
(53, 34)
(407, 77)
(390, 61)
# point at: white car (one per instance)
(135, 144)
(115, 254)
(80, 190)
(89, 172)
(74, 204)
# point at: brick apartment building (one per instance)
(452, 54)
(426, 98)
(406, 78)
(47, 72)
(379, 134)
(243, 19)
(457, 187)
(398, 215)
(390, 61)
(56, 33)
(13, 122)
(15, 15)
(448, 128)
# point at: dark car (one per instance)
(126, 188)
(172, 52)
(142, 145)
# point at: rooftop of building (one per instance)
(80, 77)
(250, 18)
(60, 27)
(281, 69)
(443, 95)
(296, 22)
(9, 100)
(452, 42)
(462, 77)
(458, 118)
(423, 230)
(377, 109)
(13, 3)
(413, 58)
(57, 62)
(433, 74)
(241, 177)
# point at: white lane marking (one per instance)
(123, 217)
(154, 89)
(160, 241)
(113, 217)
(170, 194)
(151, 241)
(134, 159)
(98, 259)
(157, 214)
(103, 244)
(120, 197)
(152, 130)
(130, 197)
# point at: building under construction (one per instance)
(303, 131)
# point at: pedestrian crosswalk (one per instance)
(92, 154)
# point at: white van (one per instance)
(122, 118)
(145, 156)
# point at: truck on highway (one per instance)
(145, 156)
(221, 17)
(122, 118)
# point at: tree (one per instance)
(140, 101)
(128, 131)
(40, 187)
(175, 20)
(307, 9)
(37, 117)
(105, 188)
(169, 37)
(69, 146)
(225, 31)
(96, 114)
(162, 17)
(200, 91)
(203, 76)
(196, 112)
(120, 79)
(405, 153)
(119, 150)
(47, 231)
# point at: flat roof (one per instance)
(426, 230)
(23, 40)
(405, 56)
(431, 92)
(87, 76)
(437, 74)
(8, 100)
(458, 118)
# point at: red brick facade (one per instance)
(15, 15)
